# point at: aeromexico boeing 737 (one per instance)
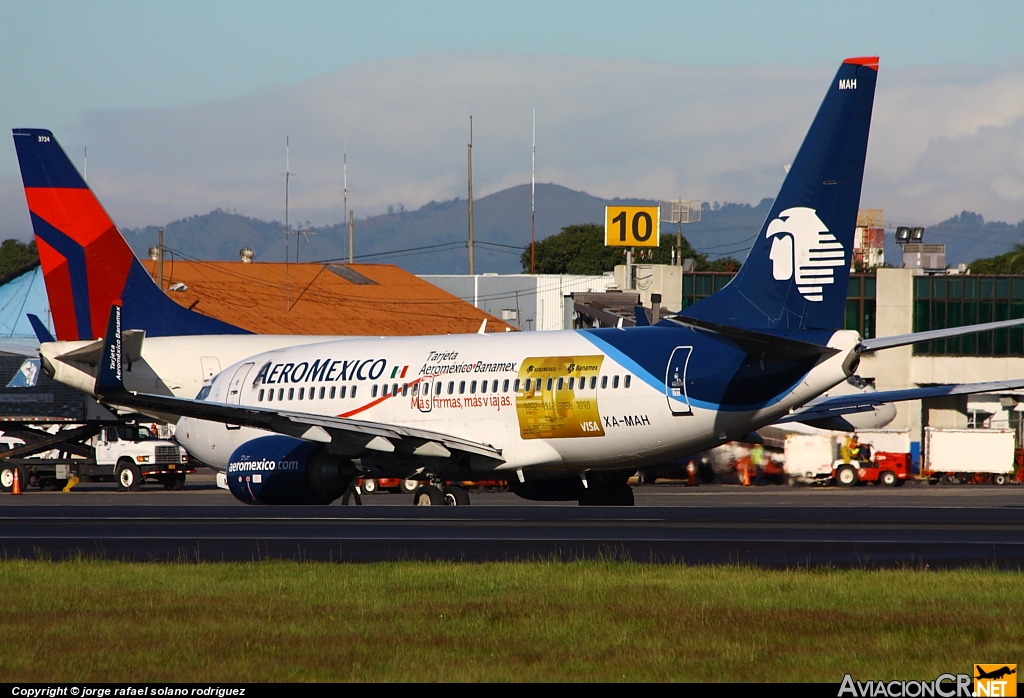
(561, 415)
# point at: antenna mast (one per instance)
(533, 198)
(287, 247)
(346, 216)
(470, 177)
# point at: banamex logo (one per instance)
(804, 246)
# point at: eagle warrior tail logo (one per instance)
(804, 246)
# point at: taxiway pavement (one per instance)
(916, 525)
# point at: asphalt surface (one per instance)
(915, 525)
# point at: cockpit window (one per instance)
(204, 393)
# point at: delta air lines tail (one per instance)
(86, 262)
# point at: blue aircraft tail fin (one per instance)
(796, 273)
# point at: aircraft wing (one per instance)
(374, 436)
(900, 340)
(825, 407)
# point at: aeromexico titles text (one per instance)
(330, 370)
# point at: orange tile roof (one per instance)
(327, 299)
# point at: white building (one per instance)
(526, 301)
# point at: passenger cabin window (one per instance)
(270, 395)
(561, 382)
(504, 386)
(571, 382)
(462, 387)
(451, 387)
(483, 386)
(333, 393)
(373, 391)
(261, 395)
(405, 390)
(550, 383)
(302, 393)
(280, 393)
(626, 384)
(353, 391)
(472, 388)
(593, 382)
(615, 382)
(291, 393)
(604, 382)
(415, 389)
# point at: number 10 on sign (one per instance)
(631, 226)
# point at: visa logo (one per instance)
(850, 84)
(590, 426)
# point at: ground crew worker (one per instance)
(757, 461)
(850, 449)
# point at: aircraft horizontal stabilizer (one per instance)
(759, 344)
(827, 407)
(90, 354)
(900, 340)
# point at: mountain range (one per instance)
(432, 239)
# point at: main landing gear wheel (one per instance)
(846, 476)
(427, 496)
(129, 477)
(455, 496)
(888, 478)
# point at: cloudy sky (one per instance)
(184, 106)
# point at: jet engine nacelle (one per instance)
(283, 470)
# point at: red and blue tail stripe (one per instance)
(87, 265)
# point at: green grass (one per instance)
(542, 621)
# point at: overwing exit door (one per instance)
(425, 398)
(675, 381)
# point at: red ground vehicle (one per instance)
(891, 469)
(398, 485)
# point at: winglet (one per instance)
(42, 334)
(109, 380)
(641, 316)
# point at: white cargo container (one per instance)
(888, 440)
(809, 457)
(962, 455)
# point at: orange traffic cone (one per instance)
(16, 487)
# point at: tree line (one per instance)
(580, 249)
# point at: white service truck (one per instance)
(123, 453)
(953, 456)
